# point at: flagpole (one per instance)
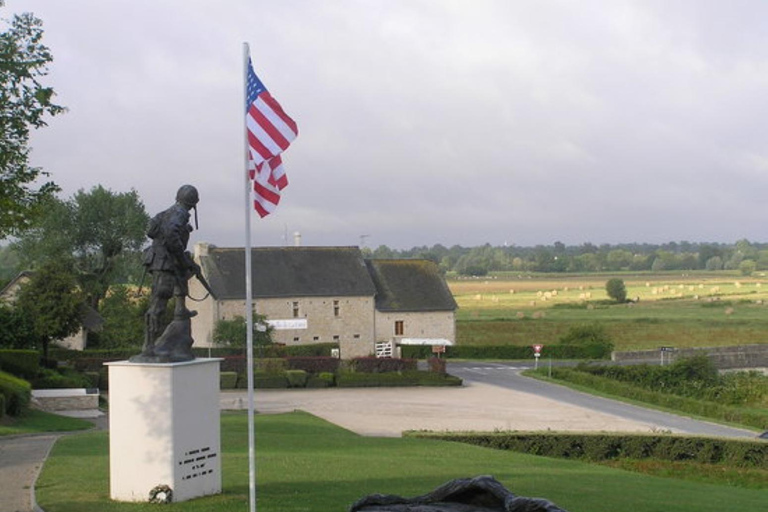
(248, 296)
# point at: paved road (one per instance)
(508, 376)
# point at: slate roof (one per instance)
(410, 285)
(288, 272)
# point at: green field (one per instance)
(693, 310)
(306, 464)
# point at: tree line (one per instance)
(743, 255)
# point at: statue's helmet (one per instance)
(188, 196)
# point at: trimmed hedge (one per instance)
(392, 379)
(17, 393)
(382, 364)
(314, 365)
(227, 380)
(600, 447)
(22, 363)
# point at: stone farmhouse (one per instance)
(326, 295)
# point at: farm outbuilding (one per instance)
(326, 295)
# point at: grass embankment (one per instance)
(307, 464)
(697, 310)
(34, 422)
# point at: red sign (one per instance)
(537, 348)
(438, 349)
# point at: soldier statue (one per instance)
(171, 266)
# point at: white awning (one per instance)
(425, 341)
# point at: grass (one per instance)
(35, 421)
(307, 464)
(696, 310)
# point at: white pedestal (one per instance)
(164, 429)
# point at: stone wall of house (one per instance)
(347, 321)
(75, 342)
(207, 314)
(423, 324)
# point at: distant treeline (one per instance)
(744, 256)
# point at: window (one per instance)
(335, 337)
(335, 308)
(295, 310)
(316, 338)
(356, 336)
(399, 328)
(296, 338)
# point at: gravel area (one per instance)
(390, 411)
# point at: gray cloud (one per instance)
(427, 121)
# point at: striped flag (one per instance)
(270, 131)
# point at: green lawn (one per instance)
(307, 464)
(35, 421)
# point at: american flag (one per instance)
(270, 131)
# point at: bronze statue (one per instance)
(171, 266)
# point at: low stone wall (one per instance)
(741, 356)
(78, 399)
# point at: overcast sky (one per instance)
(424, 121)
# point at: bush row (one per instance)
(695, 377)
(344, 379)
(599, 447)
(510, 352)
(407, 378)
(16, 394)
(24, 363)
(757, 418)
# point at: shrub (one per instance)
(329, 377)
(296, 378)
(227, 380)
(2, 406)
(93, 379)
(315, 381)
(592, 338)
(53, 379)
(17, 393)
(22, 363)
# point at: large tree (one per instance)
(52, 303)
(24, 104)
(101, 232)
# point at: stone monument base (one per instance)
(164, 431)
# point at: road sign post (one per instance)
(536, 355)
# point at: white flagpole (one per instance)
(249, 298)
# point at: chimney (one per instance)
(297, 239)
(201, 249)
